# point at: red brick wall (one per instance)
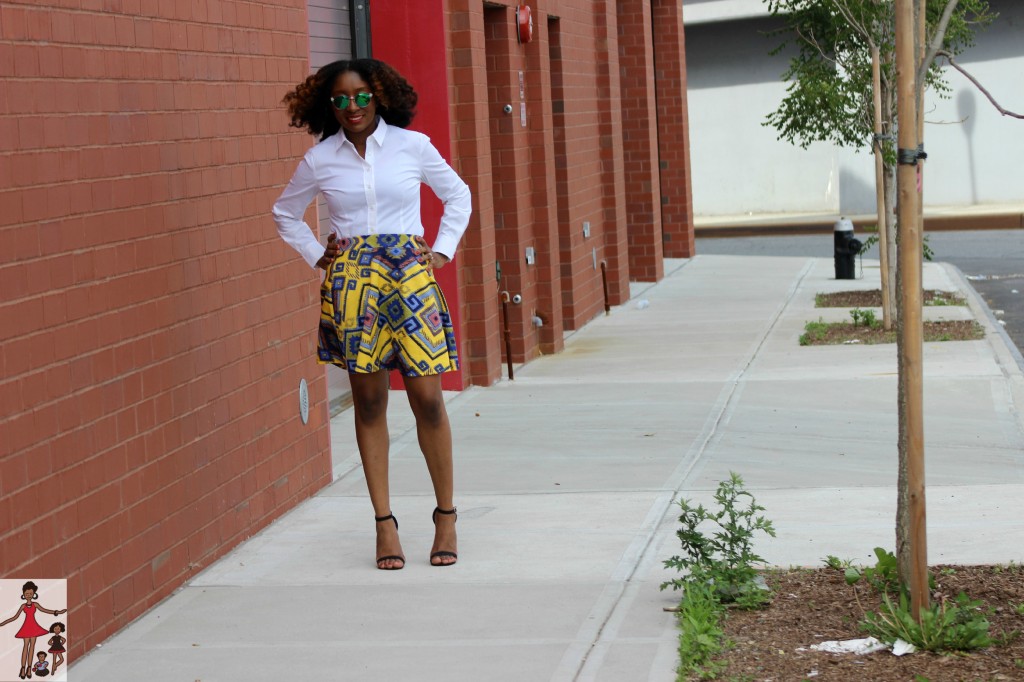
(480, 343)
(153, 328)
(640, 137)
(592, 152)
(522, 180)
(674, 127)
(537, 93)
(613, 179)
(593, 156)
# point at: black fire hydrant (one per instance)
(846, 249)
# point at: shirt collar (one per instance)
(378, 134)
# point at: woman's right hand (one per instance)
(330, 253)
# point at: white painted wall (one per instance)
(739, 167)
(703, 11)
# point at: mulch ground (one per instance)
(845, 332)
(816, 605)
(833, 333)
(873, 299)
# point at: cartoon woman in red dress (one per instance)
(30, 629)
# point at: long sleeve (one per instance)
(290, 208)
(453, 193)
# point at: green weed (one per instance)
(726, 557)
(700, 632)
(814, 331)
(945, 626)
(867, 317)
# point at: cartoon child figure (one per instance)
(57, 645)
(30, 629)
(40, 668)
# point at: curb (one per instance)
(825, 225)
(981, 310)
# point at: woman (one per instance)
(380, 306)
(30, 629)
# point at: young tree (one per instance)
(833, 97)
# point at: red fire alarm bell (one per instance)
(525, 23)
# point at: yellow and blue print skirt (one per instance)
(380, 308)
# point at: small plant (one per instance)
(1018, 608)
(719, 568)
(926, 249)
(837, 564)
(946, 298)
(867, 317)
(726, 558)
(871, 240)
(814, 331)
(700, 633)
(960, 626)
(883, 576)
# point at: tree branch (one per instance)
(847, 13)
(813, 42)
(952, 62)
(936, 42)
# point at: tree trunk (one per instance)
(883, 232)
(914, 573)
(889, 292)
(902, 508)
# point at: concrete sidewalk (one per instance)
(566, 479)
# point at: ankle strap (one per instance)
(438, 510)
(378, 519)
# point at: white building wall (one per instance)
(739, 166)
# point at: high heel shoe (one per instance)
(453, 555)
(393, 557)
(22, 673)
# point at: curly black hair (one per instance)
(310, 106)
(54, 627)
(31, 586)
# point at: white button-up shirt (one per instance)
(379, 194)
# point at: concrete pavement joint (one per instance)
(615, 603)
(729, 398)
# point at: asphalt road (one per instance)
(992, 260)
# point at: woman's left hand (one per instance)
(432, 259)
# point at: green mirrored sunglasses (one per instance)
(362, 100)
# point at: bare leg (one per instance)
(370, 402)
(26, 655)
(58, 659)
(435, 438)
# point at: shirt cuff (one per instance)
(446, 245)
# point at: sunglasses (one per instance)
(341, 102)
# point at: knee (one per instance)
(371, 408)
(430, 411)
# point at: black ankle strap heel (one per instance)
(393, 557)
(453, 555)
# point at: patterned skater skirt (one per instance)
(380, 308)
